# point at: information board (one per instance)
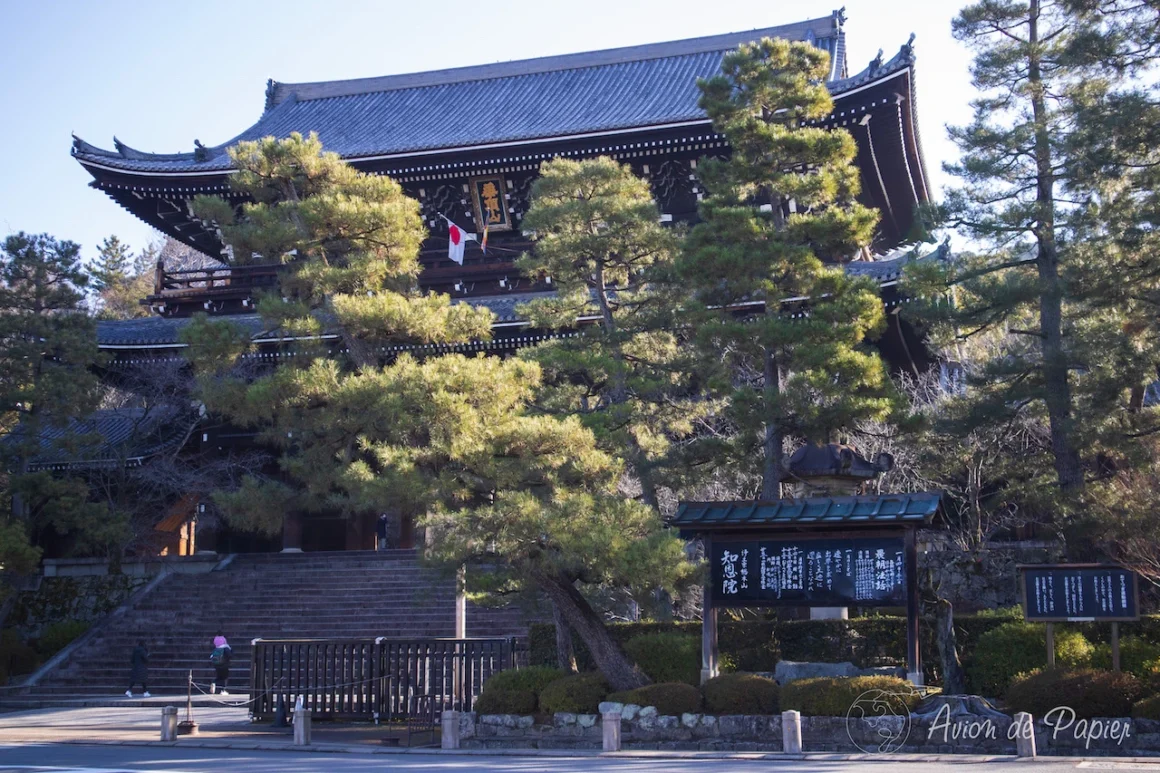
(834, 572)
(1061, 592)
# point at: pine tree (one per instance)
(48, 347)
(598, 236)
(1056, 296)
(122, 279)
(447, 438)
(781, 213)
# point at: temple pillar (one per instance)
(292, 533)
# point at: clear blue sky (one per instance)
(158, 74)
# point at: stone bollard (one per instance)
(1024, 735)
(301, 724)
(791, 732)
(610, 722)
(450, 738)
(169, 723)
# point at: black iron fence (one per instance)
(376, 678)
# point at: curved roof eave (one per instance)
(215, 162)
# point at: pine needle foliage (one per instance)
(624, 373)
(780, 216)
(448, 439)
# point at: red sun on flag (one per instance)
(457, 240)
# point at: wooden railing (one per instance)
(383, 678)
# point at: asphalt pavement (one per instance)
(137, 759)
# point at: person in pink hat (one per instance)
(220, 659)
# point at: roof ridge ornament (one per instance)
(839, 17)
(907, 49)
(271, 93)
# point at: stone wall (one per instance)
(981, 579)
(644, 729)
(71, 599)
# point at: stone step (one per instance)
(344, 595)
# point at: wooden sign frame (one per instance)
(1135, 591)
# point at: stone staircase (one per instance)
(353, 594)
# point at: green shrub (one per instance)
(532, 678)
(579, 694)
(833, 697)
(667, 657)
(57, 636)
(493, 701)
(670, 698)
(740, 694)
(1089, 692)
(1018, 647)
(1137, 656)
(16, 657)
(1149, 708)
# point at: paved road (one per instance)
(59, 758)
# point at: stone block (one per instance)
(668, 723)
(791, 670)
(690, 720)
(586, 720)
(611, 707)
(629, 712)
(562, 719)
(525, 723)
(647, 711)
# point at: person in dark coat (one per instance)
(139, 669)
(381, 531)
(220, 658)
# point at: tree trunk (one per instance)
(771, 470)
(954, 681)
(565, 656)
(1057, 390)
(621, 673)
(618, 394)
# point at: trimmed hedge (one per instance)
(1017, 647)
(670, 698)
(833, 697)
(757, 645)
(1137, 656)
(740, 694)
(493, 701)
(745, 645)
(1089, 692)
(532, 678)
(578, 694)
(516, 691)
(667, 657)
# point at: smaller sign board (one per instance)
(1079, 592)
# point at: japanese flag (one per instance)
(457, 240)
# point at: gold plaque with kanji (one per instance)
(490, 203)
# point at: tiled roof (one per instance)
(830, 511)
(559, 96)
(166, 331)
(889, 267)
(119, 436)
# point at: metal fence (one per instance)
(376, 678)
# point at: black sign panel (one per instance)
(1079, 592)
(809, 572)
